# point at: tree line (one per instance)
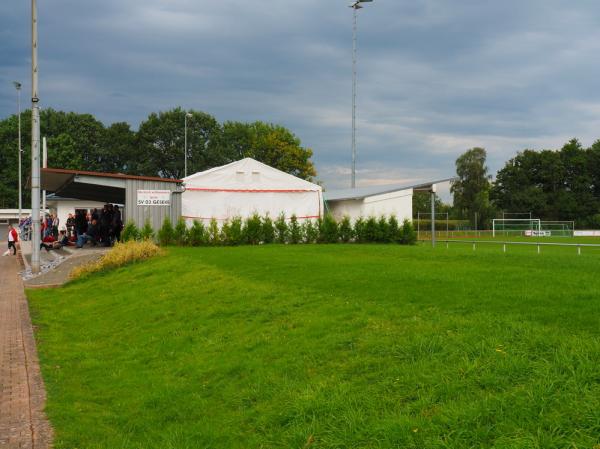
(561, 184)
(82, 142)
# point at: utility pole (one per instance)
(18, 87)
(35, 146)
(355, 7)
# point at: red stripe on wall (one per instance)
(223, 219)
(199, 189)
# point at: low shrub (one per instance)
(345, 230)
(409, 236)
(147, 232)
(197, 234)
(121, 254)
(252, 230)
(166, 234)
(310, 231)
(180, 233)
(295, 230)
(267, 230)
(231, 232)
(281, 230)
(130, 232)
(328, 230)
(214, 234)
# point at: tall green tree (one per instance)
(161, 140)
(271, 144)
(471, 190)
(552, 184)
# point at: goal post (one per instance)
(515, 226)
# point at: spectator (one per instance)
(91, 235)
(13, 238)
(117, 223)
(62, 241)
(70, 225)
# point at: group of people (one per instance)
(99, 227)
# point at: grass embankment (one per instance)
(362, 346)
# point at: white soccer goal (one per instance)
(516, 226)
(558, 228)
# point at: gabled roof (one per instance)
(364, 192)
(247, 175)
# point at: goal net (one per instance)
(516, 226)
(532, 227)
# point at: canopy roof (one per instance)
(364, 192)
(247, 175)
(92, 186)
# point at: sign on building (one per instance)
(153, 197)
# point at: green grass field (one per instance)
(316, 346)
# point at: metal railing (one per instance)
(474, 243)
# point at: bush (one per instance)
(267, 230)
(130, 232)
(147, 232)
(394, 230)
(180, 234)
(295, 230)
(231, 232)
(214, 237)
(281, 229)
(328, 230)
(383, 230)
(121, 254)
(359, 230)
(345, 229)
(197, 234)
(252, 230)
(371, 231)
(310, 231)
(166, 234)
(409, 236)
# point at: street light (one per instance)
(355, 7)
(185, 147)
(18, 87)
(35, 145)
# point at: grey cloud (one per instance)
(435, 77)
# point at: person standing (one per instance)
(13, 238)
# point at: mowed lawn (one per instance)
(327, 346)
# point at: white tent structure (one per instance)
(246, 187)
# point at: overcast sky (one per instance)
(436, 77)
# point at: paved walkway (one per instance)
(22, 421)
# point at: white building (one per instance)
(62, 207)
(248, 187)
(375, 201)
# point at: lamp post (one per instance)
(18, 87)
(35, 146)
(355, 7)
(185, 147)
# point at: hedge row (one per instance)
(262, 230)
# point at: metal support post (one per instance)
(35, 146)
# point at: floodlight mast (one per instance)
(355, 7)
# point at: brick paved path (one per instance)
(22, 421)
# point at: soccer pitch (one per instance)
(327, 346)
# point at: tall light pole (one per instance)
(35, 146)
(18, 87)
(185, 147)
(355, 7)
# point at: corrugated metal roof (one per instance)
(360, 193)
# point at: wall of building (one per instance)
(397, 203)
(156, 214)
(63, 208)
